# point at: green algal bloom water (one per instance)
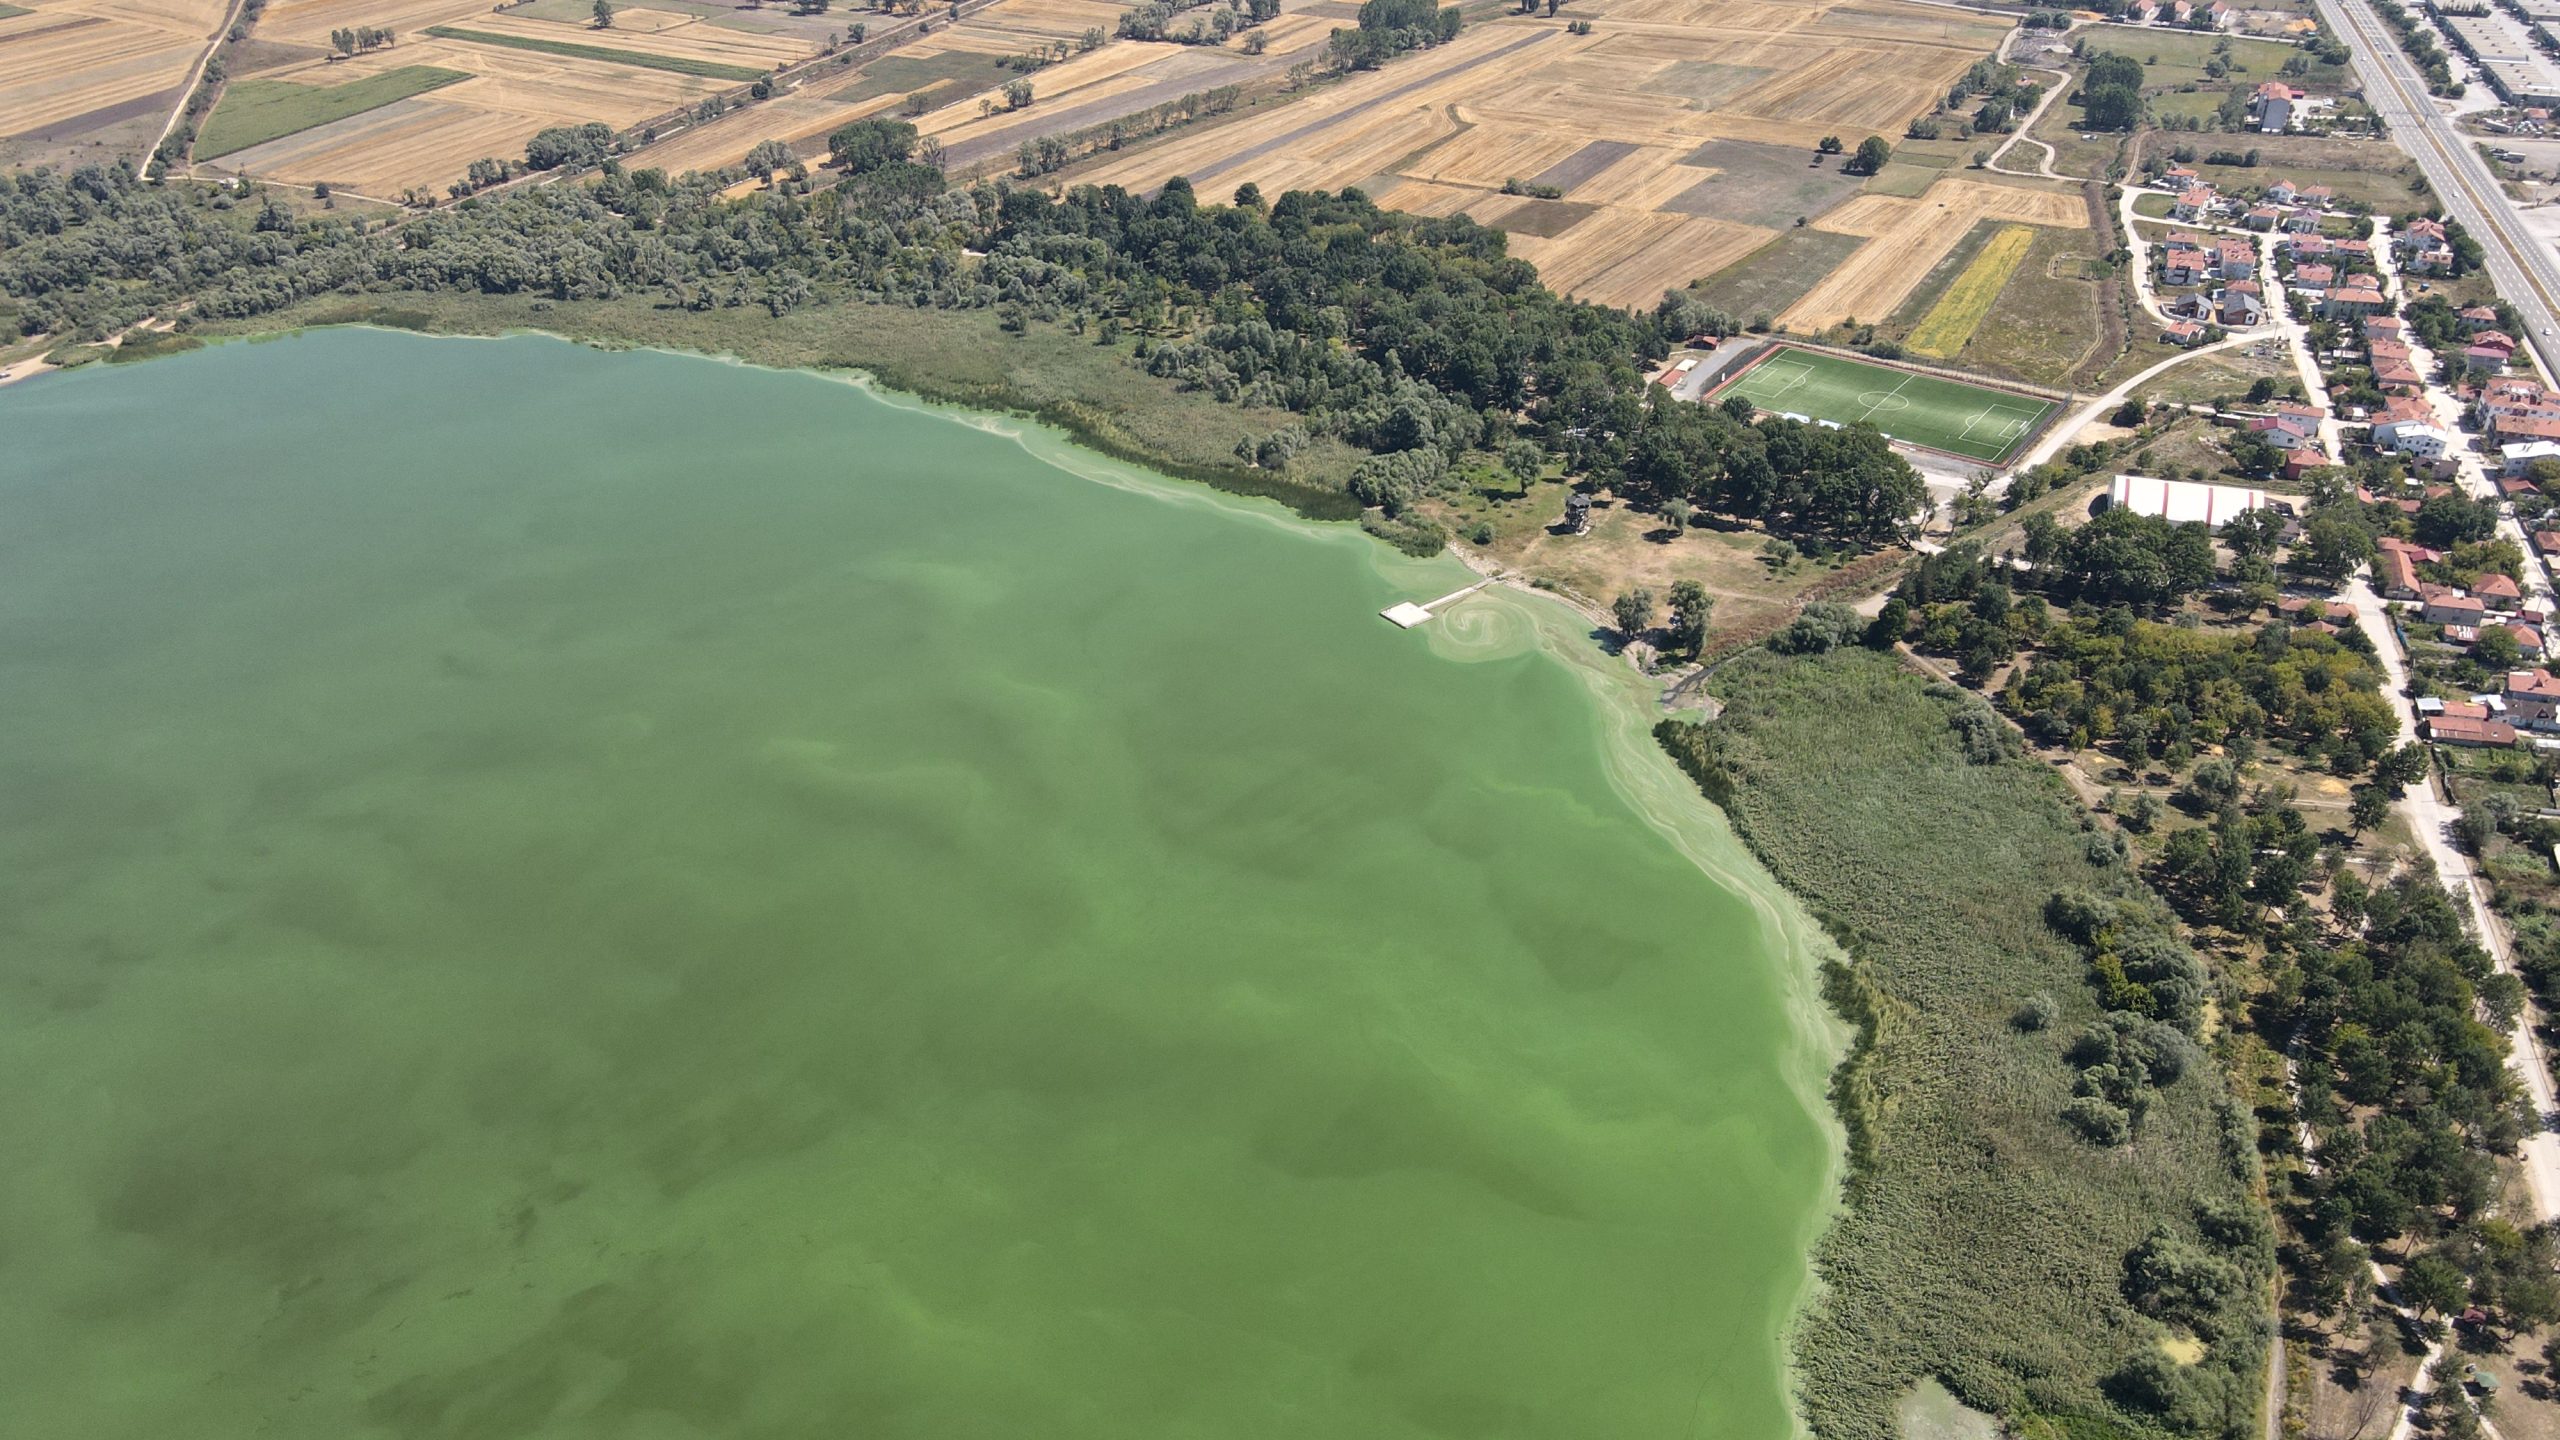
(547, 893)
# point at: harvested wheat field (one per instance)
(1907, 237)
(1677, 136)
(427, 142)
(68, 67)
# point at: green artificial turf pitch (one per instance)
(1973, 421)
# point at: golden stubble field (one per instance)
(427, 141)
(1678, 131)
(68, 67)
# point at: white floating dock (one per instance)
(1405, 614)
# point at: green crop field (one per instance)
(1973, 421)
(253, 112)
(680, 64)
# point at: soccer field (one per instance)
(1974, 421)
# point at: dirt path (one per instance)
(195, 77)
(2044, 167)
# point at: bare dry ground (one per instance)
(1685, 127)
(96, 75)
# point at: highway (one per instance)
(2522, 266)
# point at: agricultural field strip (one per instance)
(640, 60)
(1960, 311)
(253, 112)
(62, 61)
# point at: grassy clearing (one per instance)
(679, 64)
(2042, 325)
(8, 12)
(253, 112)
(1905, 180)
(1984, 1244)
(1950, 323)
(1777, 275)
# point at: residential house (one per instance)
(2517, 460)
(2262, 217)
(2516, 487)
(2284, 432)
(2319, 197)
(2182, 266)
(2418, 442)
(2396, 562)
(2194, 203)
(2235, 308)
(2315, 278)
(2280, 193)
(2422, 247)
(2497, 591)
(2479, 317)
(2546, 542)
(2348, 302)
(2524, 426)
(2236, 258)
(2528, 638)
(2220, 15)
(2179, 177)
(2299, 246)
(2469, 733)
(2271, 107)
(2385, 327)
(2301, 222)
(2488, 358)
(2185, 334)
(2533, 698)
(2445, 605)
(2498, 340)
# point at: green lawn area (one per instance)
(253, 112)
(1974, 421)
(634, 58)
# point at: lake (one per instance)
(556, 893)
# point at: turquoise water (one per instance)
(552, 893)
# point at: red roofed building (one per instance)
(2533, 697)
(2493, 586)
(2469, 733)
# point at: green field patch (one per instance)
(633, 58)
(1904, 180)
(10, 12)
(1973, 421)
(906, 75)
(2044, 324)
(1777, 275)
(253, 112)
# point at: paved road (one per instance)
(2525, 269)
